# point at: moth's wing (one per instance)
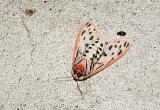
(87, 34)
(113, 50)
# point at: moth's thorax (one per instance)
(79, 68)
(79, 71)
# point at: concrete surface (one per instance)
(36, 46)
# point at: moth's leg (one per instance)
(79, 90)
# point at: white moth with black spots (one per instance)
(93, 53)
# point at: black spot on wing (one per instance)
(121, 33)
(84, 55)
(110, 47)
(96, 41)
(94, 56)
(86, 44)
(106, 43)
(125, 44)
(100, 49)
(92, 44)
(89, 25)
(90, 32)
(113, 53)
(87, 51)
(104, 54)
(91, 38)
(98, 59)
(91, 65)
(83, 32)
(101, 44)
(120, 46)
(119, 52)
(112, 58)
(90, 47)
(100, 55)
(97, 51)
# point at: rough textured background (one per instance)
(36, 48)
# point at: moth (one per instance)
(93, 53)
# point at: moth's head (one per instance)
(78, 72)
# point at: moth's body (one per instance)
(92, 53)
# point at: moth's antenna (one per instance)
(79, 90)
(64, 78)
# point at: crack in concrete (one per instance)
(2, 106)
(32, 50)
